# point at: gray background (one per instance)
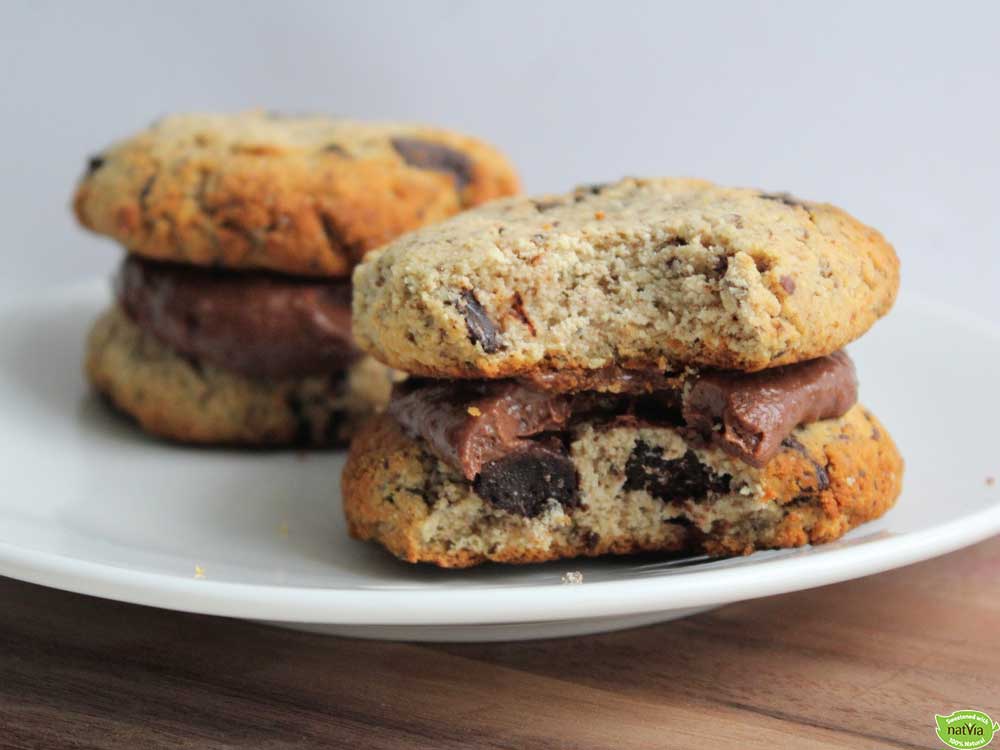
(887, 109)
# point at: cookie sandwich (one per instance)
(650, 365)
(231, 321)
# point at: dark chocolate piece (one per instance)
(303, 425)
(255, 323)
(436, 157)
(147, 188)
(524, 481)
(481, 329)
(547, 205)
(95, 163)
(671, 479)
(749, 414)
(584, 191)
(336, 237)
(787, 198)
(822, 475)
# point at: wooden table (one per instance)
(864, 664)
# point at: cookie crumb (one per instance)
(199, 572)
(598, 215)
(573, 577)
(990, 481)
(474, 411)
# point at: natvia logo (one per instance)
(966, 729)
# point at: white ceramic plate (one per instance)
(88, 504)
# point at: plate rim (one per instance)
(497, 604)
(481, 605)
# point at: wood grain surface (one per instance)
(863, 664)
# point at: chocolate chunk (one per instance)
(787, 198)
(749, 414)
(546, 205)
(822, 476)
(255, 323)
(337, 237)
(523, 482)
(517, 308)
(95, 163)
(672, 242)
(673, 479)
(584, 191)
(303, 425)
(147, 187)
(437, 157)
(788, 284)
(468, 424)
(481, 329)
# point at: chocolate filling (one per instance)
(489, 430)
(257, 324)
(472, 423)
(748, 414)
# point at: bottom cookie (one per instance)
(631, 487)
(189, 401)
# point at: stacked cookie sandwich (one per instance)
(232, 319)
(651, 365)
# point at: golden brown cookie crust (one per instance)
(175, 398)
(643, 273)
(298, 195)
(832, 476)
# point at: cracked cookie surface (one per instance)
(300, 195)
(181, 399)
(640, 488)
(642, 273)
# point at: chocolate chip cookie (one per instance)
(298, 195)
(642, 273)
(653, 365)
(232, 318)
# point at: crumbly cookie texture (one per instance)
(179, 399)
(639, 273)
(301, 195)
(831, 476)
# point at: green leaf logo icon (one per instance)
(966, 729)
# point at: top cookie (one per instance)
(642, 273)
(301, 195)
